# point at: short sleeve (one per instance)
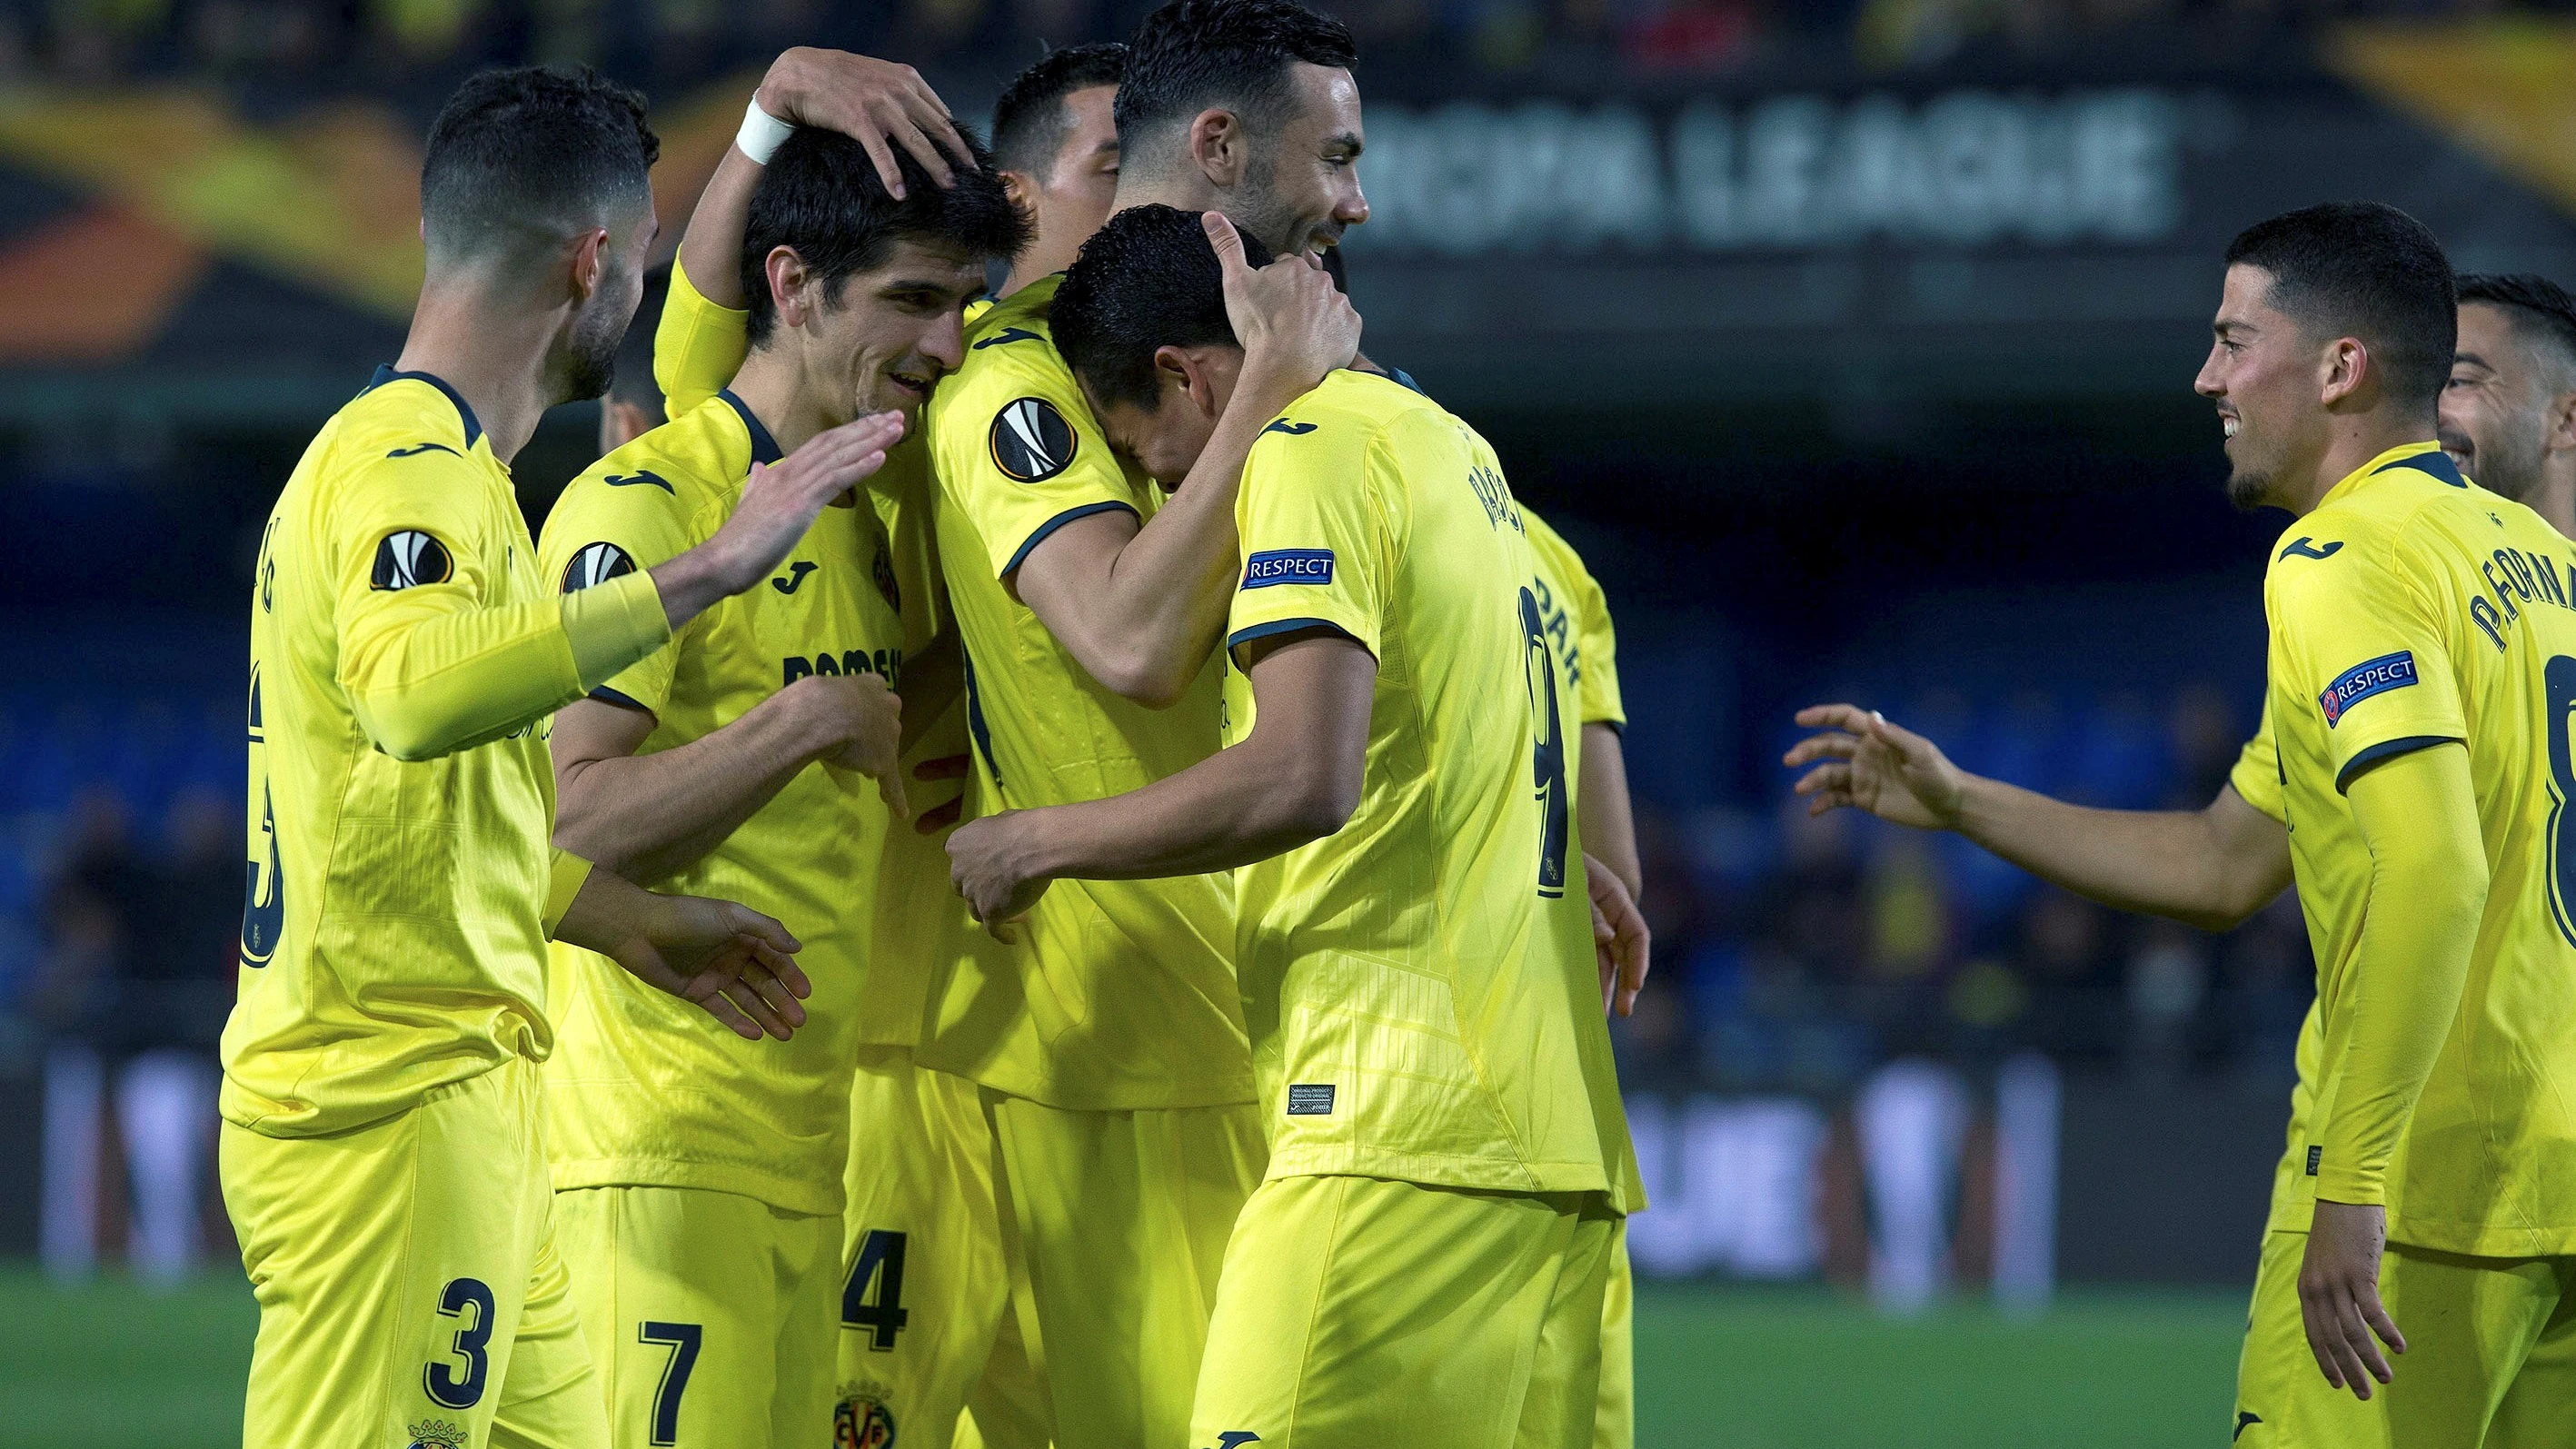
(2361, 645)
(699, 346)
(2257, 775)
(1312, 537)
(1029, 459)
(617, 519)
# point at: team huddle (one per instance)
(1045, 863)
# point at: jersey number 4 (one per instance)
(1548, 767)
(873, 1298)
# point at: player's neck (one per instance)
(2356, 440)
(773, 387)
(1183, 189)
(1045, 257)
(494, 355)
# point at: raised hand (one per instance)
(780, 501)
(1288, 315)
(731, 960)
(864, 720)
(1872, 765)
(1621, 944)
(873, 102)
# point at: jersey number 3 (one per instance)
(1548, 772)
(2560, 689)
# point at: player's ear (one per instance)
(589, 261)
(787, 277)
(1022, 189)
(1175, 372)
(2562, 423)
(2343, 368)
(1217, 144)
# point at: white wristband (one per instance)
(761, 134)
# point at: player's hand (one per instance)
(2339, 1295)
(1295, 326)
(988, 861)
(1872, 765)
(873, 102)
(731, 960)
(1621, 943)
(858, 725)
(947, 767)
(781, 500)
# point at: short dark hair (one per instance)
(2540, 309)
(2366, 270)
(633, 382)
(1148, 279)
(524, 157)
(821, 195)
(1193, 54)
(1029, 122)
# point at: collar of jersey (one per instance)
(2402, 453)
(764, 448)
(386, 372)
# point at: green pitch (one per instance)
(112, 1365)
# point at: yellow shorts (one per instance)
(924, 1294)
(409, 1290)
(1615, 1425)
(2490, 1356)
(1360, 1313)
(708, 1313)
(1114, 1226)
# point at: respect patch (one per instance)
(1288, 566)
(2360, 682)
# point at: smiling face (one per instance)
(2264, 373)
(895, 330)
(1301, 189)
(2496, 410)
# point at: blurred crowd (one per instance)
(1848, 1062)
(374, 44)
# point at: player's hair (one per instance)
(2365, 270)
(821, 196)
(1235, 54)
(518, 160)
(1146, 280)
(1029, 121)
(2541, 310)
(633, 382)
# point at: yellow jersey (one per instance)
(2256, 778)
(2410, 608)
(1420, 984)
(404, 655)
(647, 1089)
(921, 926)
(1576, 618)
(1120, 994)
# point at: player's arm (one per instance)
(2210, 868)
(430, 668)
(729, 959)
(1602, 809)
(649, 817)
(1141, 606)
(705, 331)
(2417, 811)
(1294, 779)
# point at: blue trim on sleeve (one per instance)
(1059, 521)
(2384, 750)
(764, 448)
(386, 372)
(606, 695)
(1241, 637)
